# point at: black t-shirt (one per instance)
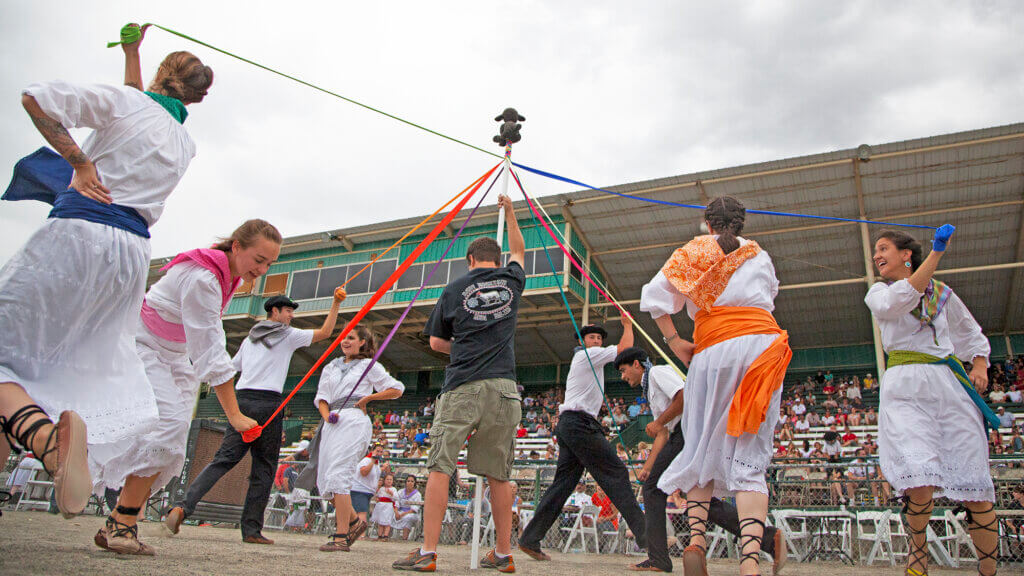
(478, 312)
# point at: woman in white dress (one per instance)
(931, 426)
(734, 385)
(70, 297)
(345, 433)
(181, 342)
(407, 514)
(384, 510)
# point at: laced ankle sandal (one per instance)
(337, 543)
(20, 439)
(746, 539)
(974, 526)
(698, 527)
(917, 555)
(123, 538)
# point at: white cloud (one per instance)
(613, 92)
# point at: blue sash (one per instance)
(44, 176)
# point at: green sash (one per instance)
(904, 357)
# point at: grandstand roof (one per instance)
(974, 180)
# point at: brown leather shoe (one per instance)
(695, 561)
(122, 539)
(174, 519)
(257, 539)
(779, 554)
(72, 483)
(535, 553)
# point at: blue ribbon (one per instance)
(699, 207)
(958, 370)
(44, 176)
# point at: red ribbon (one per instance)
(254, 433)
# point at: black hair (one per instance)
(904, 241)
(726, 216)
(630, 355)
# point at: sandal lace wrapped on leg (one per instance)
(748, 539)
(917, 554)
(72, 483)
(980, 530)
(336, 543)
(122, 538)
(695, 555)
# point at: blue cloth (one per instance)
(44, 176)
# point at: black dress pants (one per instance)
(583, 446)
(258, 405)
(721, 513)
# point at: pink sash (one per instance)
(215, 261)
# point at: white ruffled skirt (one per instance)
(160, 451)
(342, 445)
(711, 455)
(69, 303)
(930, 433)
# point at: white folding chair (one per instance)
(35, 492)
(718, 540)
(873, 528)
(794, 529)
(957, 538)
(581, 531)
(276, 512)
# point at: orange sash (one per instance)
(754, 394)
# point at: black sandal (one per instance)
(974, 526)
(917, 555)
(746, 539)
(20, 440)
(337, 543)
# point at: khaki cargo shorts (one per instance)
(488, 409)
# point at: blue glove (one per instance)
(942, 236)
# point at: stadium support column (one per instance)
(869, 268)
(586, 294)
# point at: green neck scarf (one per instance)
(173, 106)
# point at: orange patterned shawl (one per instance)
(700, 270)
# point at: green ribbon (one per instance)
(173, 106)
(127, 35)
(904, 357)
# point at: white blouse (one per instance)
(139, 149)
(753, 284)
(190, 295)
(956, 330)
(336, 383)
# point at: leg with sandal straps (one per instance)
(984, 529)
(62, 452)
(917, 512)
(695, 555)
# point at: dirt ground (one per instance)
(41, 543)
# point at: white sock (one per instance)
(424, 552)
(500, 555)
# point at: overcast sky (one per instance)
(614, 92)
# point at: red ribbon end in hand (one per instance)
(252, 433)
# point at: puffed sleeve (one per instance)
(80, 105)
(964, 331)
(204, 332)
(381, 380)
(889, 301)
(659, 297)
(327, 381)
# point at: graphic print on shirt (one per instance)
(488, 300)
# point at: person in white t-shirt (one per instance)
(263, 360)
(582, 443)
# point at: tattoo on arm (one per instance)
(59, 138)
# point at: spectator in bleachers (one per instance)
(869, 382)
(542, 431)
(871, 417)
(799, 408)
(786, 434)
(848, 438)
(1005, 418)
(806, 450)
(995, 439)
(814, 419)
(819, 379)
(580, 496)
(1015, 395)
(619, 418)
(828, 419)
(853, 391)
(833, 448)
(1016, 442)
(997, 395)
(415, 451)
(551, 452)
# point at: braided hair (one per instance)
(725, 216)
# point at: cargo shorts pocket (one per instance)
(510, 408)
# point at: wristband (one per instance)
(669, 339)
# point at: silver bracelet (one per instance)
(669, 339)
